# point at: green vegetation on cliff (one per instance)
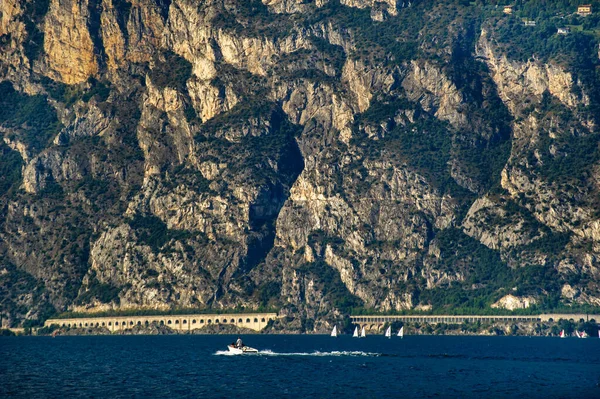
(317, 159)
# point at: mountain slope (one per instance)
(312, 156)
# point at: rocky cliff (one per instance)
(310, 156)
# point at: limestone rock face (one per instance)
(67, 41)
(113, 38)
(379, 9)
(435, 92)
(517, 81)
(310, 156)
(508, 231)
(512, 302)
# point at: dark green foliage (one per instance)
(191, 177)
(425, 146)
(483, 149)
(320, 237)
(154, 232)
(381, 110)
(552, 244)
(388, 43)
(45, 312)
(174, 71)
(10, 168)
(487, 273)
(69, 94)
(268, 292)
(523, 42)
(252, 18)
(277, 141)
(14, 285)
(47, 330)
(32, 117)
(35, 10)
(52, 190)
(105, 293)
(576, 157)
(461, 251)
(254, 109)
(332, 286)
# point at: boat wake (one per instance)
(315, 353)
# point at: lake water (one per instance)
(299, 366)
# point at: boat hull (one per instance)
(241, 351)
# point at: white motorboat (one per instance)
(240, 351)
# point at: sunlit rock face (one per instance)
(310, 156)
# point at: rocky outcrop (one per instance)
(68, 45)
(498, 228)
(518, 81)
(512, 302)
(379, 9)
(287, 154)
(435, 92)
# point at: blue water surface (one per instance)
(294, 366)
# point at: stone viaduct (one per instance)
(372, 322)
(253, 321)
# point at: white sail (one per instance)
(562, 334)
(355, 335)
(388, 332)
(334, 331)
(362, 333)
(401, 332)
(577, 334)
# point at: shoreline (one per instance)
(524, 329)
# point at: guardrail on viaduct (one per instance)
(253, 321)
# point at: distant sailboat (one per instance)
(334, 331)
(562, 334)
(388, 332)
(401, 332)
(583, 334)
(362, 333)
(355, 335)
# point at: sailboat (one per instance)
(388, 332)
(362, 333)
(583, 334)
(334, 331)
(562, 334)
(401, 332)
(355, 335)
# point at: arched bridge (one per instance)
(253, 321)
(376, 323)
